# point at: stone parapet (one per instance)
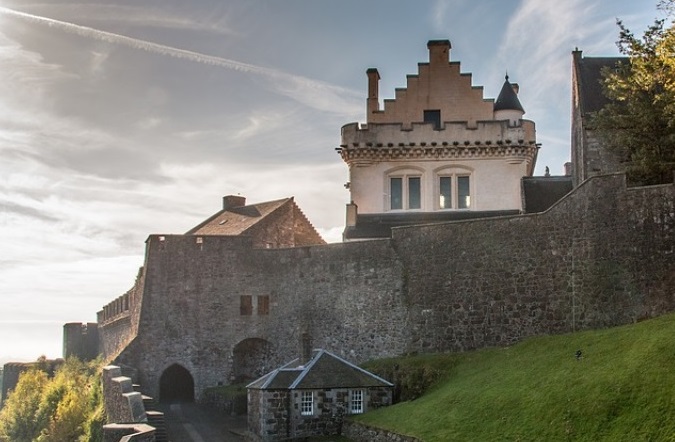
(128, 433)
(359, 432)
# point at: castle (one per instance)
(465, 253)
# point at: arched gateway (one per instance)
(252, 358)
(176, 385)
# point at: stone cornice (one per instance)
(364, 154)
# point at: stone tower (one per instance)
(437, 151)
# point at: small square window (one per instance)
(433, 117)
(307, 403)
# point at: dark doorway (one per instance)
(252, 358)
(176, 385)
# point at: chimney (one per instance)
(352, 212)
(305, 348)
(232, 201)
(439, 52)
(515, 88)
(373, 104)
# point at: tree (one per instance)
(639, 122)
(18, 418)
(67, 407)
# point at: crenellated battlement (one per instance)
(456, 140)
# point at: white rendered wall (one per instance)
(495, 184)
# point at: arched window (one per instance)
(453, 188)
(404, 189)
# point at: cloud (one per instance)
(132, 16)
(316, 94)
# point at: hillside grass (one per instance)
(622, 389)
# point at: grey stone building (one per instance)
(589, 158)
(310, 395)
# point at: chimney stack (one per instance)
(233, 201)
(305, 348)
(439, 52)
(373, 104)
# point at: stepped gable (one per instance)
(439, 84)
(508, 99)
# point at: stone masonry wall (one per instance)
(118, 321)
(600, 257)
(605, 255)
(347, 295)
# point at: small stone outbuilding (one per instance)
(303, 399)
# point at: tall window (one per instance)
(245, 305)
(405, 193)
(445, 191)
(356, 401)
(264, 305)
(454, 191)
(463, 192)
(307, 403)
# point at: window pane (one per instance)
(445, 201)
(414, 193)
(396, 188)
(307, 403)
(433, 117)
(356, 401)
(463, 192)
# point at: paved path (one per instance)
(188, 422)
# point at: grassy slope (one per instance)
(623, 389)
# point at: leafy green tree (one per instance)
(639, 122)
(18, 421)
(67, 407)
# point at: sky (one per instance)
(125, 118)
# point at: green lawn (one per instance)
(623, 389)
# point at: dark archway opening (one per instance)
(252, 358)
(176, 385)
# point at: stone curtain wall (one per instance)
(598, 258)
(118, 321)
(602, 256)
(347, 296)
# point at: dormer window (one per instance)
(433, 117)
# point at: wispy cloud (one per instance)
(130, 16)
(316, 94)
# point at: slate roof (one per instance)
(379, 225)
(324, 370)
(541, 193)
(589, 80)
(236, 220)
(508, 99)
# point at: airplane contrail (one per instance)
(301, 83)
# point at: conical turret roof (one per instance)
(508, 99)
